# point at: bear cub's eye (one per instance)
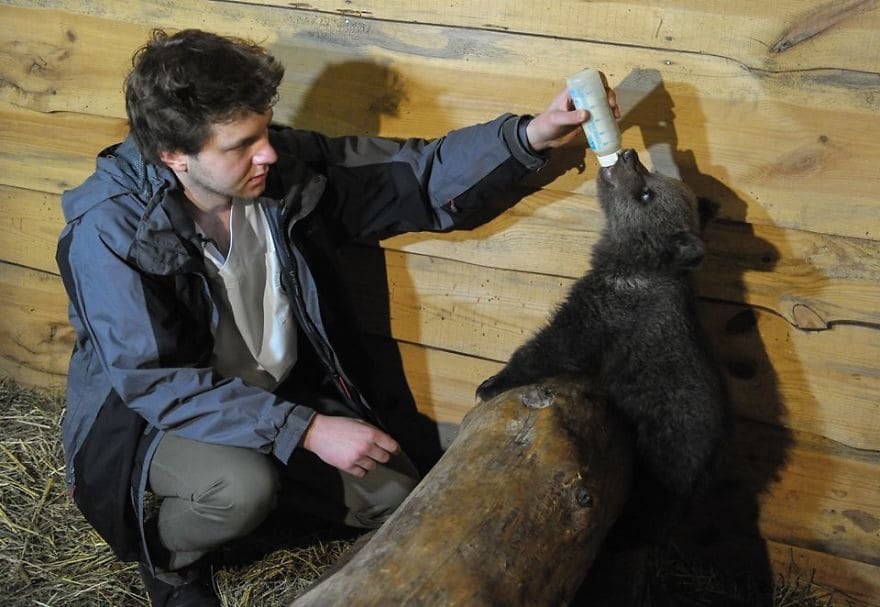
(646, 195)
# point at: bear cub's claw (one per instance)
(489, 389)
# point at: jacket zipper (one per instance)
(322, 348)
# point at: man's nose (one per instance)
(265, 154)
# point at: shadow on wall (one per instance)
(371, 92)
(723, 529)
(350, 98)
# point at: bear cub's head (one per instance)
(651, 220)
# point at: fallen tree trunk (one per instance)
(512, 514)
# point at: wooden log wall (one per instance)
(768, 109)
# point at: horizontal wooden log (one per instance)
(820, 485)
(35, 336)
(443, 383)
(846, 43)
(64, 25)
(823, 383)
(30, 227)
(560, 470)
(52, 152)
(791, 272)
(43, 60)
(818, 131)
(836, 278)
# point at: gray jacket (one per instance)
(132, 266)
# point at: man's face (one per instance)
(234, 162)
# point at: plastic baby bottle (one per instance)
(588, 93)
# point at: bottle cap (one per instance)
(608, 160)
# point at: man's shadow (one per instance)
(352, 98)
(721, 531)
(375, 92)
(371, 91)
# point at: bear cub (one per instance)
(631, 323)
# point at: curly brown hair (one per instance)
(182, 84)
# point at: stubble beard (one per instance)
(210, 189)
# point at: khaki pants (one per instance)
(212, 494)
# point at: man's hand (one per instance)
(351, 445)
(560, 122)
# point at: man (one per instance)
(214, 355)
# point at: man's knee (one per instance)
(371, 516)
(373, 499)
(242, 496)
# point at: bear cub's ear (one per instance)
(685, 250)
(707, 210)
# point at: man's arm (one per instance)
(379, 186)
(383, 186)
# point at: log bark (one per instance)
(512, 514)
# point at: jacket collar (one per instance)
(298, 187)
(166, 241)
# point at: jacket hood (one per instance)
(163, 243)
(120, 169)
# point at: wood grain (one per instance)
(818, 130)
(785, 143)
(824, 383)
(561, 470)
(29, 231)
(35, 337)
(51, 152)
(741, 32)
(819, 497)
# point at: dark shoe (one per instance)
(198, 592)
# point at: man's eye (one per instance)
(646, 195)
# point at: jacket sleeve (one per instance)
(380, 186)
(134, 326)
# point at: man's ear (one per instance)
(685, 250)
(176, 161)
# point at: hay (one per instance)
(683, 581)
(49, 555)
(797, 589)
(278, 578)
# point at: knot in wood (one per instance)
(807, 319)
(537, 397)
(583, 497)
